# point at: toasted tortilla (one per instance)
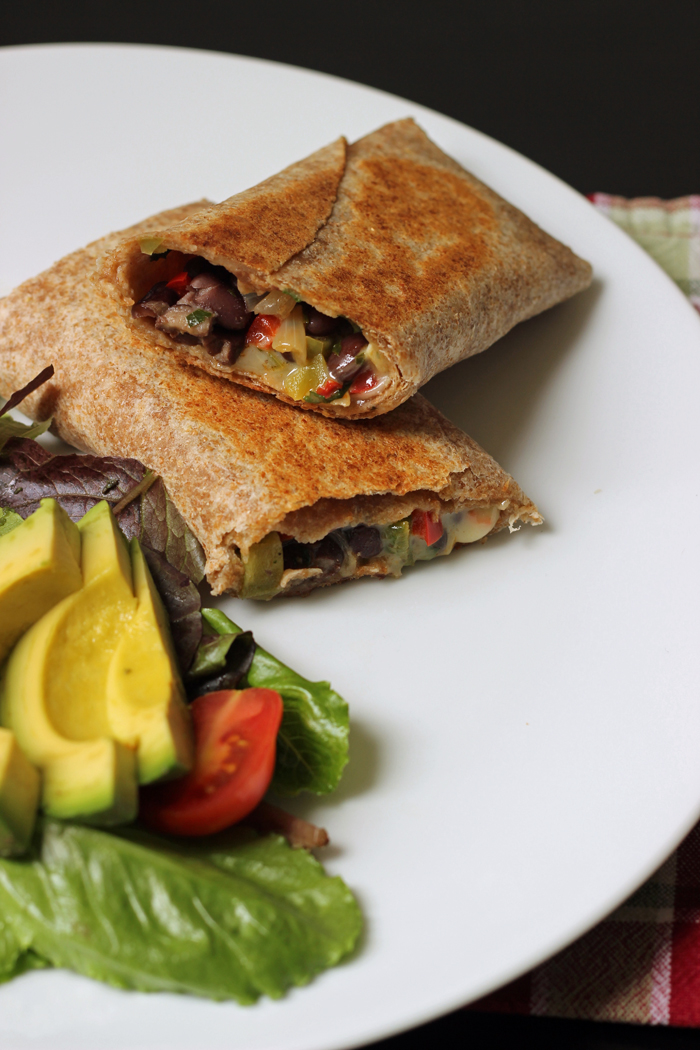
(393, 234)
(238, 464)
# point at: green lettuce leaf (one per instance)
(15, 956)
(234, 918)
(8, 520)
(12, 428)
(11, 951)
(312, 744)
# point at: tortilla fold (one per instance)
(391, 233)
(239, 465)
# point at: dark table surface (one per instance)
(603, 93)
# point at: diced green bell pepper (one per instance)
(263, 568)
(396, 540)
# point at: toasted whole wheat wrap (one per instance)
(282, 501)
(427, 264)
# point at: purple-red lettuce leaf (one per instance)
(28, 474)
(164, 529)
(182, 604)
(18, 396)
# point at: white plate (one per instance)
(526, 725)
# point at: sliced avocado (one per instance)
(39, 565)
(263, 568)
(145, 699)
(54, 689)
(19, 796)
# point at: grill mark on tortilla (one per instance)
(408, 231)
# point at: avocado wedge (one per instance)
(54, 689)
(39, 565)
(146, 705)
(19, 796)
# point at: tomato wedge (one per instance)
(262, 331)
(235, 733)
(426, 525)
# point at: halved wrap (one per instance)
(282, 501)
(345, 282)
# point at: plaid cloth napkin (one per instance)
(642, 963)
(668, 230)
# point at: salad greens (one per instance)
(232, 917)
(312, 743)
(182, 603)
(222, 662)
(8, 521)
(12, 428)
(29, 473)
(163, 529)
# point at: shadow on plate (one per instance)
(493, 395)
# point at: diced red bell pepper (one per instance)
(262, 331)
(426, 525)
(329, 387)
(179, 282)
(364, 381)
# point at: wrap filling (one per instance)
(280, 564)
(272, 336)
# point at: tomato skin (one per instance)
(262, 331)
(179, 282)
(235, 735)
(364, 381)
(426, 525)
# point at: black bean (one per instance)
(184, 338)
(353, 344)
(318, 323)
(150, 304)
(226, 346)
(296, 555)
(343, 367)
(327, 554)
(226, 302)
(343, 363)
(365, 541)
(205, 280)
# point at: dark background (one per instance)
(604, 93)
